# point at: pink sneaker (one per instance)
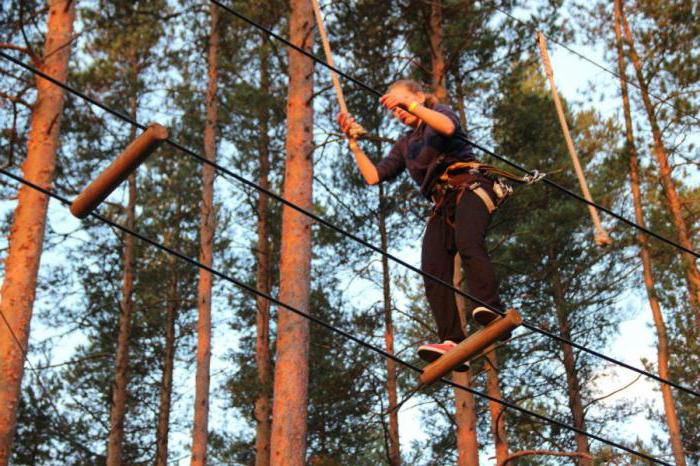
(432, 351)
(484, 316)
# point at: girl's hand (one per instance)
(393, 100)
(346, 122)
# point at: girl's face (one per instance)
(405, 95)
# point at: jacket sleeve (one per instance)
(393, 164)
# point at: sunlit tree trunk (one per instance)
(436, 52)
(663, 355)
(263, 279)
(391, 382)
(496, 410)
(665, 172)
(120, 395)
(200, 428)
(166, 386)
(465, 404)
(29, 221)
(572, 381)
(290, 397)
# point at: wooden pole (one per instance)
(356, 130)
(119, 170)
(475, 343)
(601, 236)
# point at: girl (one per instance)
(441, 163)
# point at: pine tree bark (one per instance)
(465, 404)
(263, 279)
(200, 428)
(572, 382)
(290, 398)
(496, 410)
(166, 386)
(120, 394)
(391, 377)
(672, 420)
(27, 231)
(436, 52)
(665, 172)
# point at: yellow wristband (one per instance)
(413, 106)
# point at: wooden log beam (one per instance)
(119, 170)
(472, 345)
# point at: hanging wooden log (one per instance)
(475, 343)
(601, 236)
(119, 170)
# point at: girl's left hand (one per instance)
(392, 100)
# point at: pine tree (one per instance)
(27, 232)
(288, 438)
(663, 355)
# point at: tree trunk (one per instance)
(292, 364)
(27, 231)
(391, 383)
(493, 389)
(572, 382)
(263, 280)
(436, 52)
(465, 404)
(121, 371)
(200, 429)
(672, 197)
(166, 386)
(663, 355)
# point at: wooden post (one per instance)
(471, 346)
(601, 236)
(119, 170)
(356, 130)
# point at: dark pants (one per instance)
(441, 242)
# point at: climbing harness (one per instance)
(476, 177)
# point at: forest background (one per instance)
(150, 60)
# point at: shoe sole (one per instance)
(484, 317)
(432, 355)
(429, 355)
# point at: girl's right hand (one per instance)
(346, 121)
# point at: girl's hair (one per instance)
(416, 87)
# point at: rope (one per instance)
(601, 236)
(323, 323)
(356, 131)
(347, 234)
